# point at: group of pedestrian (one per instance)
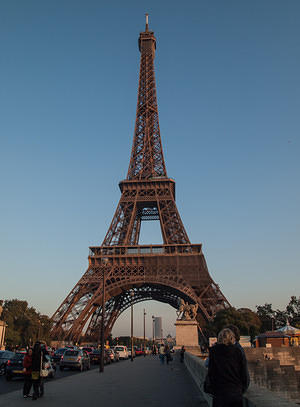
(33, 363)
(227, 377)
(165, 354)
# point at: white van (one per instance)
(122, 350)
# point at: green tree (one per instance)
(267, 317)
(246, 320)
(24, 324)
(293, 311)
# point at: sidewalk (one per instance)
(142, 383)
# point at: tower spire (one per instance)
(147, 22)
(147, 160)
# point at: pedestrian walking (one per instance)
(167, 354)
(237, 336)
(162, 354)
(27, 365)
(227, 376)
(182, 350)
(38, 359)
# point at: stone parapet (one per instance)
(254, 397)
(276, 369)
(286, 355)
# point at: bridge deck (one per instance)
(142, 383)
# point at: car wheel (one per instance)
(61, 368)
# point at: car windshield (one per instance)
(6, 354)
(119, 348)
(60, 351)
(71, 353)
(19, 356)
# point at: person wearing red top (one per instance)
(27, 364)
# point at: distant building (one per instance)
(158, 333)
(285, 336)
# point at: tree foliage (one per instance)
(267, 316)
(274, 319)
(24, 324)
(246, 320)
(293, 311)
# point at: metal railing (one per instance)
(144, 250)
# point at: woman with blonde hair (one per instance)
(226, 371)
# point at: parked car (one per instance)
(88, 349)
(58, 354)
(138, 351)
(50, 366)
(5, 355)
(14, 366)
(114, 355)
(96, 355)
(122, 350)
(75, 359)
(50, 351)
(129, 352)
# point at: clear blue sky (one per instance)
(229, 103)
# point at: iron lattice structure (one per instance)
(169, 272)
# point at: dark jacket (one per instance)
(38, 356)
(226, 370)
(245, 363)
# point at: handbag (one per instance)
(207, 386)
(44, 371)
(35, 375)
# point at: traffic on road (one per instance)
(61, 362)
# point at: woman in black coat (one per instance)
(227, 372)
(38, 358)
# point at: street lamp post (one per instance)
(131, 295)
(153, 320)
(144, 334)
(101, 365)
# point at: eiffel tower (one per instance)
(168, 272)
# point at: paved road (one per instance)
(17, 383)
(142, 383)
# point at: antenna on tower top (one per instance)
(147, 21)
